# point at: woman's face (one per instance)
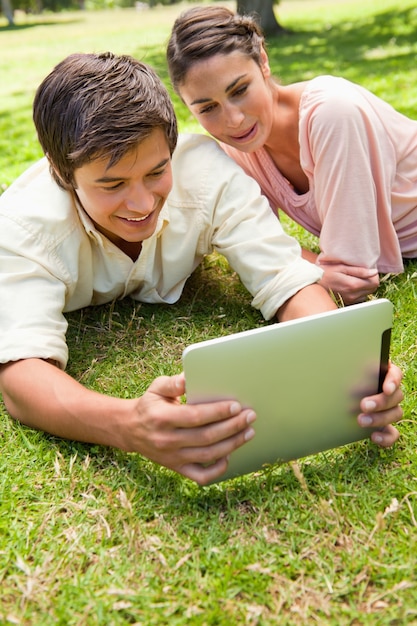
(231, 97)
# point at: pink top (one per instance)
(360, 157)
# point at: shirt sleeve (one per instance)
(241, 226)
(347, 154)
(31, 309)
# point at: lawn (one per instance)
(96, 536)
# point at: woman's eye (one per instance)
(208, 108)
(240, 91)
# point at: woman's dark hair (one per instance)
(201, 32)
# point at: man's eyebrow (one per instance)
(113, 179)
(228, 88)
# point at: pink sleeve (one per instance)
(346, 152)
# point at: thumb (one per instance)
(169, 386)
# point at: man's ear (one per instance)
(58, 178)
(265, 69)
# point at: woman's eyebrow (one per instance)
(233, 83)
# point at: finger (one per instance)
(222, 447)
(168, 386)
(354, 297)
(355, 271)
(210, 465)
(391, 395)
(362, 273)
(385, 437)
(216, 430)
(193, 416)
(203, 475)
(175, 446)
(380, 419)
(381, 402)
(392, 380)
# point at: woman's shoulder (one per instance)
(333, 87)
(332, 98)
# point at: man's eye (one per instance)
(158, 173)
(114, 186)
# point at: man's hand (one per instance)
(382, 410)
(194, 440)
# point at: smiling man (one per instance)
(116, 208)
(124, 200)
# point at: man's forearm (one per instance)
(308, 301)
(309, 255)
(41, 396)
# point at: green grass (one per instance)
(95, 536)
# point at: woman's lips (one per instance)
(247, 135)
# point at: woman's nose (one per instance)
(234, 116)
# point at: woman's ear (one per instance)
(265, 69)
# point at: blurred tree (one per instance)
(7, 10)
(264, 10)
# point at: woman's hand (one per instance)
(352, 284)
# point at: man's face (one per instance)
(124, 200)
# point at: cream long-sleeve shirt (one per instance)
(360, 158)
(53, 259)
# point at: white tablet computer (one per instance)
(304, 378)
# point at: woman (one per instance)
(338, 160)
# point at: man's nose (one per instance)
(140, 200)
